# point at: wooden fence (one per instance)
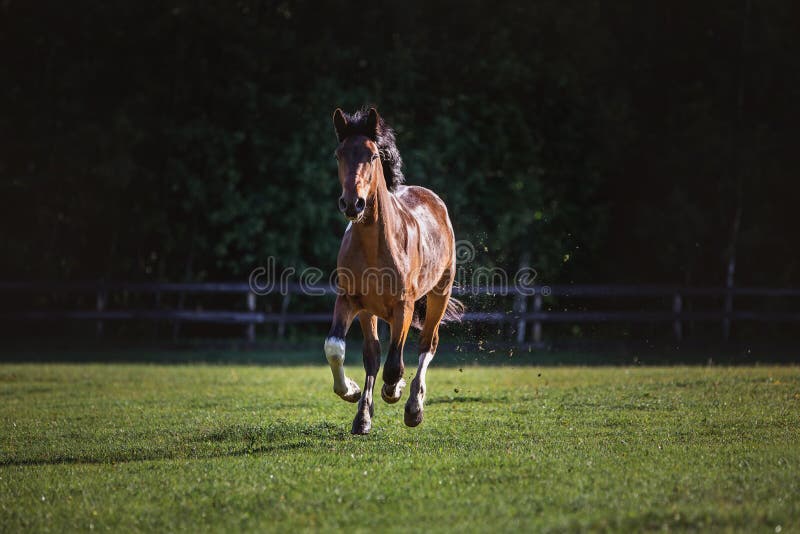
(527, 313)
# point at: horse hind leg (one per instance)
(429, 340)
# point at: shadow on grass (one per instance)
(228, 441)
(274, 432)
(465, 399)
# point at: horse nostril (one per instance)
(360, 204)
(342, 204)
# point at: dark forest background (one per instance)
(619, 141)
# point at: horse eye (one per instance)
(336, 156)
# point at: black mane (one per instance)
(383, 136)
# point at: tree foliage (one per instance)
(184, 140)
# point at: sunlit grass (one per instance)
(144, 447)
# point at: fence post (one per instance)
(537, 325)
(282, 321)
(726, 317)
(521, 300)
(677, 308)
(176, 324)
(158, 307)
(522, 307)
(100, 306)
(251, 307)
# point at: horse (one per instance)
(396, 262)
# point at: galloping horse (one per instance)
(397, 256)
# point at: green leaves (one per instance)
(204, 132)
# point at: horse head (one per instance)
(360, 169)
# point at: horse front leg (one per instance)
(393, 369)
(343, 314)
(362, 424)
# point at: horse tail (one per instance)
(452, 314)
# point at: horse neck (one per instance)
(384, 224)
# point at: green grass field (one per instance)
(267, 448)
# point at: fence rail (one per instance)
(584, 290)
(676, 313)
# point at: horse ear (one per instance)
(372, 123)
(339, 123)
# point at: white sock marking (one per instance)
(334, 352)
(424, 360)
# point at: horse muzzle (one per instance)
(352, 209)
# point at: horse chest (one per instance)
(374, 282)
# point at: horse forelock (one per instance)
(384, 137)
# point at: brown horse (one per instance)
(397, 256)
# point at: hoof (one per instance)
(353, 393)
(392, 394)
(361, 426)
(352, 397)
(411, 418)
